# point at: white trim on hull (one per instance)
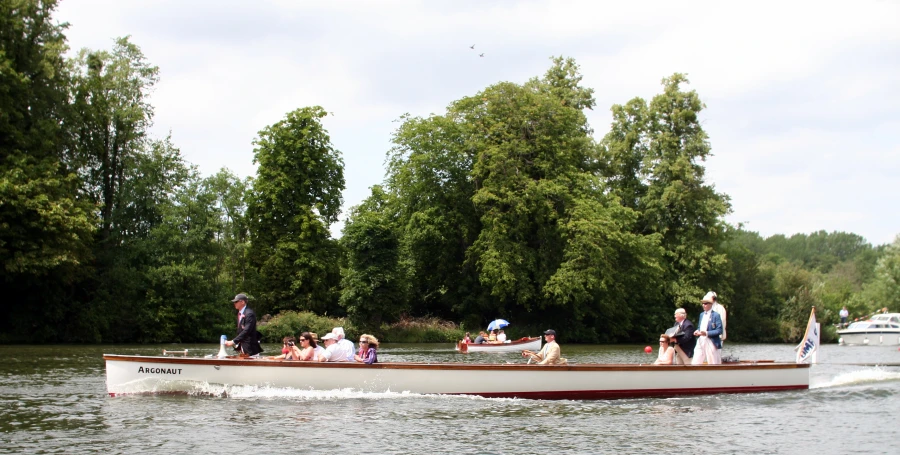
(138, 374)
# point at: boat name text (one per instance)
(159, 370)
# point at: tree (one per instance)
(374, 284)
(112, 116)
(184, 300)
(651, 159)
(233, 235)
(501, 213)
(884, 290)
(45, 228)
(43, 224)
(296, 197)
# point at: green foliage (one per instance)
(420, 330)
(884, 290)
(43, 223)
(502, 206)
(296, 196)
(652, 161)
(372, 288)
(293, 323)
(111, 116)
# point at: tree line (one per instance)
(505, 205)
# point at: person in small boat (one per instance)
(308, 347)
(247, 339)
(709, 345)
(481, 338)
(492, 338)
(666, 351)
(683, 340)
(501, 336)
(333, 351)
(466, 339)
(368, 349)
(549, 354)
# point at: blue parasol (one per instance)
(497, 324)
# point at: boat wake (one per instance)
(866, 376)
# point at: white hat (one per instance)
(329, 336)
(709, 297)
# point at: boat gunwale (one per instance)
(743, 365)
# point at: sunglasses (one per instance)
(363, 342)
(303, 339)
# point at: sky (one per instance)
(802, 98)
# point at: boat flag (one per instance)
(810, 342)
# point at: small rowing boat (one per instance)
(129, 374)
(530, 343)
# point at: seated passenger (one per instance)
(318, 346)
(492, 338)
(666, 351)
(466, 339)
(501, 336)
(289, 350)
(308, 347)
(333, 351)
(549, 354)
(368, 346)
(481, 338)
(345, 344)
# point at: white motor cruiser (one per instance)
(879, 330)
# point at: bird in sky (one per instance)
(481, 55)
(472, 47)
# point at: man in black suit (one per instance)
(247, 339)
(684, 338)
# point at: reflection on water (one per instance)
(54, 399)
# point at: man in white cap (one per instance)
(344, 343)
(708, 333)
(718, 308)
(333, 351)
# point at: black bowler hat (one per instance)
(550, 332)
(239, 297)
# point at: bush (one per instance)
(292, 323)
(421, 330)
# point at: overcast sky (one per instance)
(803, 98)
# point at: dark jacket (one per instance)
(685, 338)
(247, 339)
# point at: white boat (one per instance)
(532, 344)
(127, 374)
(879, 330)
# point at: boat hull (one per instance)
(531, 344)
(139, 374)
(874, 337)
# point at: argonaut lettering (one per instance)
(159, 370)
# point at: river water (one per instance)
(53, 400)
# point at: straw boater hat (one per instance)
(710, 297)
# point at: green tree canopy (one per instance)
(296, 197)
